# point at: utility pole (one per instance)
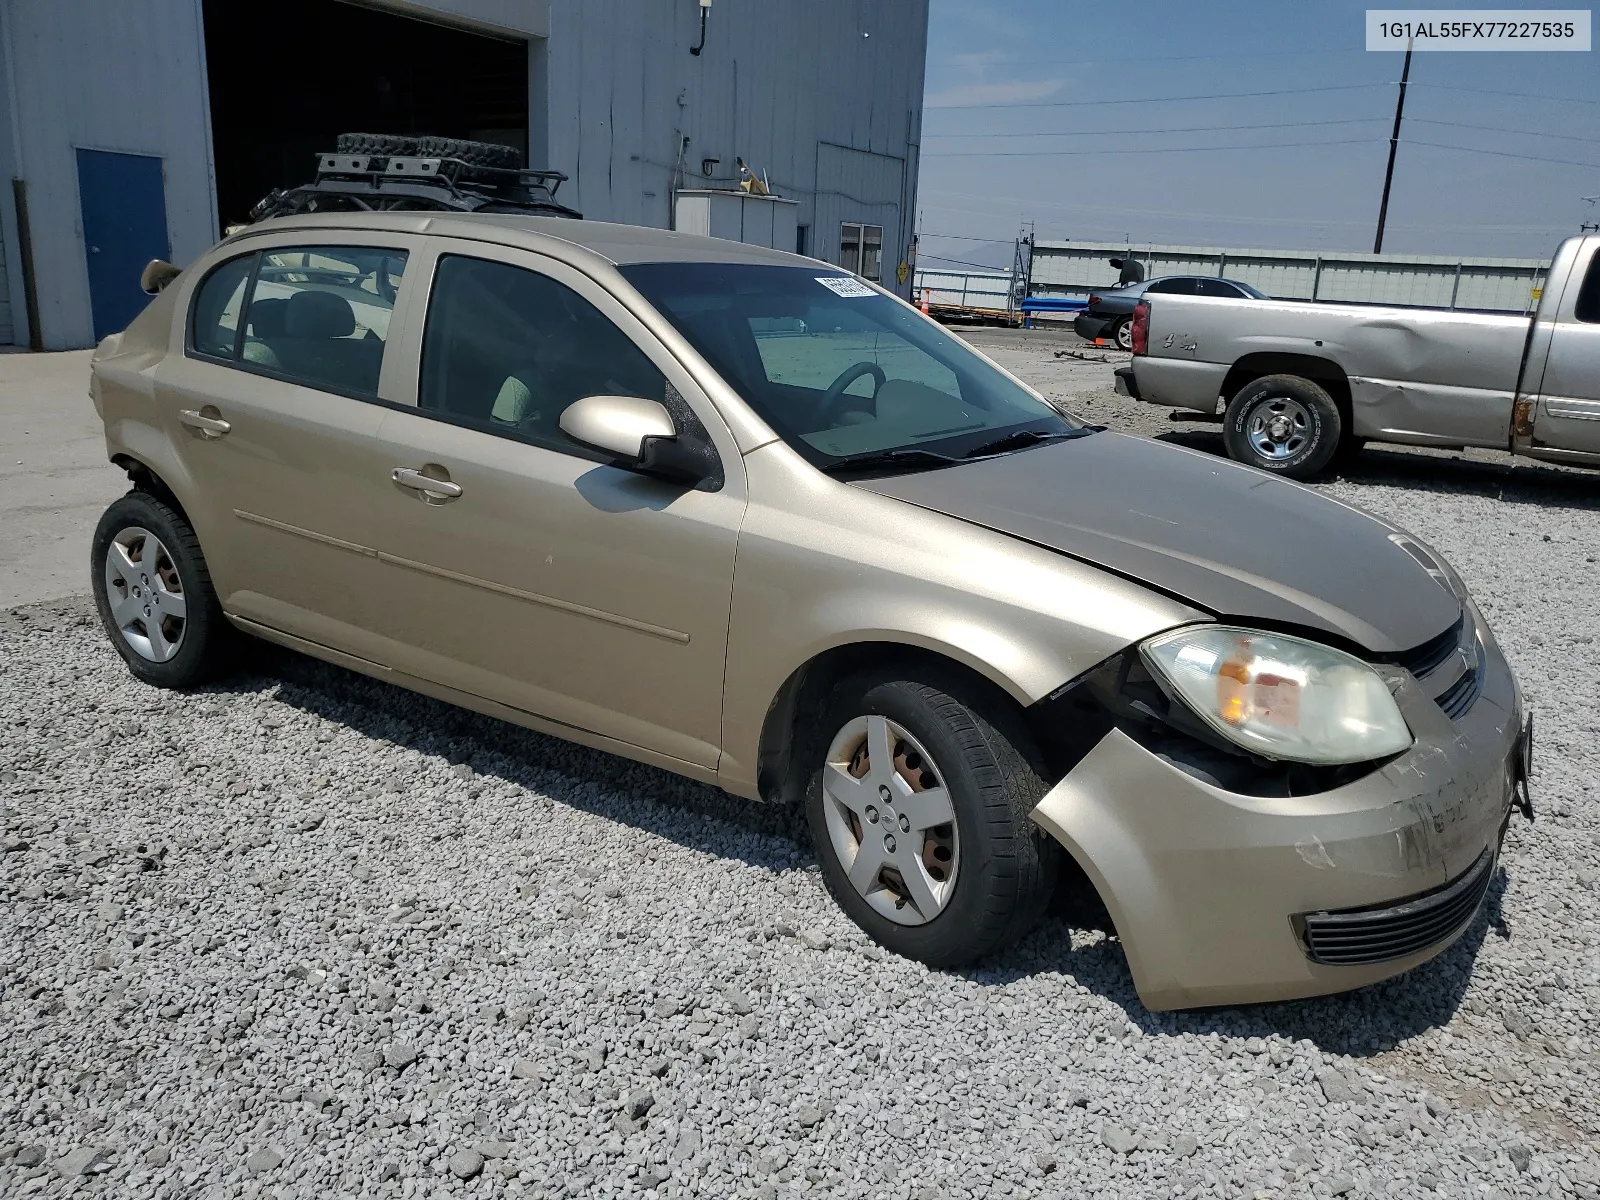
(1394, 144)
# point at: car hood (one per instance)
(1242, 544)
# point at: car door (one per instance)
(536, 574)
(1567, 411)
(274, 406)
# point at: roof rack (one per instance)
(388, 182)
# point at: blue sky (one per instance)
(987, 170)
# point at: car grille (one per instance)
(1429, 656)
(1459, 644)
(1458, 697)
(1354, 936)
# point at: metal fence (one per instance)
(987, 290)
(1427, 281)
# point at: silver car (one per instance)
(743, 516)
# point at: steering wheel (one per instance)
(833, 400)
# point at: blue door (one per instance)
(124, 227)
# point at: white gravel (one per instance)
(305, 934)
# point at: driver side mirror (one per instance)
(642, 434)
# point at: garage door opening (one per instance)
(287, 78)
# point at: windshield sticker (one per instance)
(844, 285)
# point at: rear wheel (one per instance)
(1122, 334)
(919, 809)
(1283, 424)
(154, 595)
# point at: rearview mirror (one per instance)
(156, 275)
(619, 425)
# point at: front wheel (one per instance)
(1283, 424)
(919, 809)
(154, 595)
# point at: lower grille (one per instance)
(1355, 936)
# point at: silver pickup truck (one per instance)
(1299, 383)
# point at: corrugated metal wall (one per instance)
(962, 289)
(1493, 284)
(103, 75)
(825, 96)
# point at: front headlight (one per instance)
(1280, 697)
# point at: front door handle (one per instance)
(434, 490)
(208, 423)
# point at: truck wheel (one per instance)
(154, 595)
(1283, 424)
(375, 143)
(474, 154)
(1122, 334)
(919, 808)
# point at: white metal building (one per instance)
(132, 124)
(1428, 281)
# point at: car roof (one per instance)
(618, 245)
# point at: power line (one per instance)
(1150, 150)
(1342, 87)
(1173, 129)
(1566, 137)
(1566, 162)
(1477, 91)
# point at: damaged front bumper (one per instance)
(1215, 896)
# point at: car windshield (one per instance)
(844, 373)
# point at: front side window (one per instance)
(861, 249)
(316, 315)
(507, 350)
(839, 370)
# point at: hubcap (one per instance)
(1279, 428)
(1125, 336)
(890, 820)
(145, 594)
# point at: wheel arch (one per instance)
(146, 478)
(1324, 372)
(779, 777)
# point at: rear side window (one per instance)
(1588, 307)
(214, 323)
(1171, 287)
(315, 315)
(507, 350)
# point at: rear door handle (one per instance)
(205, 424)
(437, 490)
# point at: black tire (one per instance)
(1318, 428)
(1121, 334)
(208, 642)
(474, 154)
(375, 143)
(994, 775)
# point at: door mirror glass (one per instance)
(619, 425)
(156, 275)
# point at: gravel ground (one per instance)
(305, 934)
